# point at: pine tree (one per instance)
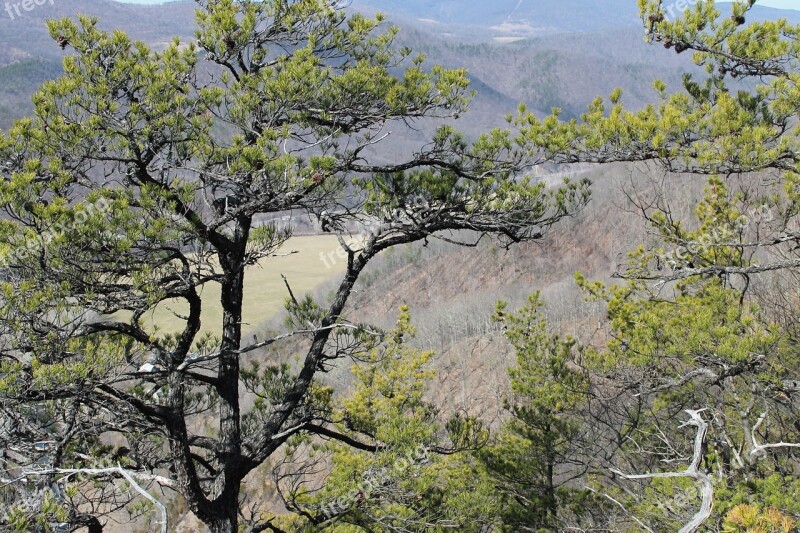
(145, 175)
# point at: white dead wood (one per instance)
(759, 449)
(693, 471)
(128, 476)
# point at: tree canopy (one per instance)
(146, 175)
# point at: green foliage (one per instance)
(141, 179)
(48, 512)
(143, 176)
(407, 482)
(752, 519)
(548, 390)
(702, 348)
(693, 324)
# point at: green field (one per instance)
(265, 290)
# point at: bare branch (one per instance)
(693, 471)
(759, 449)
(125, 474)
(624, 510)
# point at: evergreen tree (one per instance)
(417, 475)
(144, 176)
(539, 446)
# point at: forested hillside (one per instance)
(566, 69)
(470, 20)
(566, 301)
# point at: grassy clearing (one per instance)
(265, 291)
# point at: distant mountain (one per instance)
(565, 71)
(24, 37)
(514, 17)
(505, 20)
(547, 53)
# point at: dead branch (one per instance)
(117, 470)
(693, 471)
(759, 449)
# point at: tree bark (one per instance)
(550, 497)
(226, 504)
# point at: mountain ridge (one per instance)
(564, 70)
(511, 19)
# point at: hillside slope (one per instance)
(25, 37)
(602, 49)
(508, 19)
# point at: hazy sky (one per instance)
(786, 4)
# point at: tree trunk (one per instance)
(226, 504)
(92, 524)
(229, 522)
(550, 498)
